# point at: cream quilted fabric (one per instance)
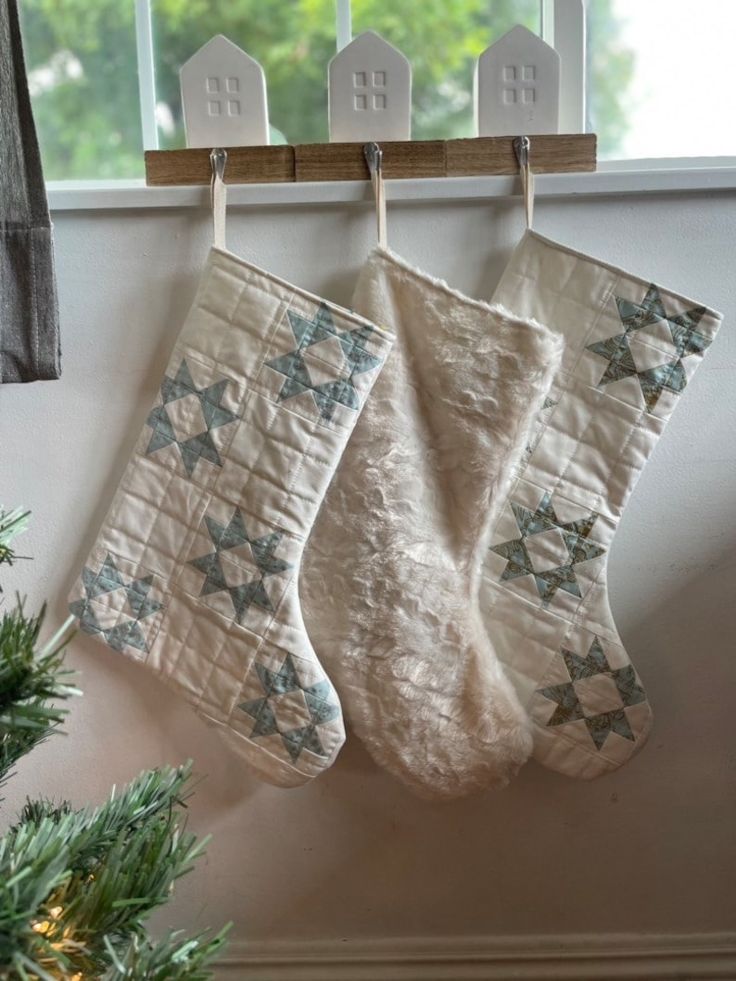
(194, 572)
(630, 349)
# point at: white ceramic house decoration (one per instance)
(517, 86)
(223, 95)
(369, 86)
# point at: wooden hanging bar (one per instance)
(481, 156)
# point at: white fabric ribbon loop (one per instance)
(522, 147)
(527, 183)
(374, 158)
(218, 195)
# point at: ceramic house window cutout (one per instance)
(517, 86)
(369, 92)
(223, 95)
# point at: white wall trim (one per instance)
(696, 957)
(106, 195)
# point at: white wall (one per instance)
(353, 854)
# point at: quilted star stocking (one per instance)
(194, 572)
(392, 568)
(630, 348)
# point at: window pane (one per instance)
(82, 75)
(660, 76)
(293, 42)
(442, 39)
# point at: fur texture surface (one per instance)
(390, 576)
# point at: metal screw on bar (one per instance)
(218, 162)
(373, 157)
(522, 146)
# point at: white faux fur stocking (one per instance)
(391, 571)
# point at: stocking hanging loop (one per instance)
(522, 149)
(218, 195)
(374, 159)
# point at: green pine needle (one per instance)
(12, 523)
(30, 681)
(174, 958)
(77, 886)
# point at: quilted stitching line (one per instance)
(564, 388)
(223, 495)
(344, 315)
(254, 276)
(249, 401)
(276, 522)
(571, 374)
(274, 618)
(637, 424)
(605, 299)
(205, 502)
(172, 675)
(617, 271)
(246, 636)
(215, 662)
(126, 492)
(131, 494)
(186, 543)
(257, 379)
(298, 629)
(293, 580)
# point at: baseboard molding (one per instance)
(609, 957)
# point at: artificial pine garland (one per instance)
(77, 886)
(29, 680)
(12, 523)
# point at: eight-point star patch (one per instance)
(575, 535)
(290, 709)
(262, 550)
(356, 359)
(126, 604)
(574, 703)
(186, 417)
(685, 340)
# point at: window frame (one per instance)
(562, 25)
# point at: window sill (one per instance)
(614, 177)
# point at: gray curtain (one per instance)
(29, 322)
